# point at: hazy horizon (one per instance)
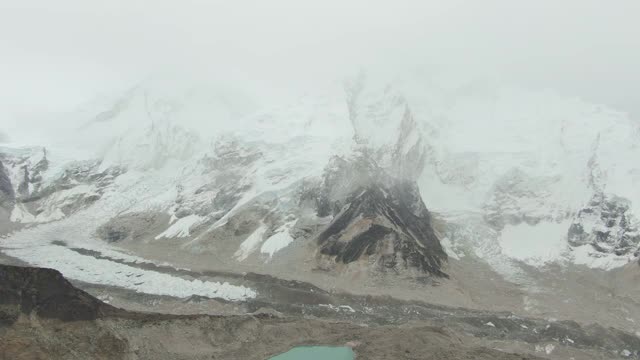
(60, 55)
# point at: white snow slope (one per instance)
(523, 162)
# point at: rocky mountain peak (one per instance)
(377, 219)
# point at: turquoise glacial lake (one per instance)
(317, 353)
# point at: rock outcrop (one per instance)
(377, 219)
(7, 194)
(45, 293)
(607, 224)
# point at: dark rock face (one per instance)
(47, 293)
(385, 227)
(409, 156)
(376, 217)
(7, 194)
(606, 224)
(32, 176)
(23, 186)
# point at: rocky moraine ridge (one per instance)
(43, 316)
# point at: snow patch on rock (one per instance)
(182, 227)
(251, 243)
(279, 240)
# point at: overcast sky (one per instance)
(58, 54)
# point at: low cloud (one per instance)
(57, 55)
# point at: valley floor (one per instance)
(301, 313)
(551, 312)
(553, 292)
(57, 321)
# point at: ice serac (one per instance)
(376, 219)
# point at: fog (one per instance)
(56, 55)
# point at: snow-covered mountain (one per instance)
(344, 180)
